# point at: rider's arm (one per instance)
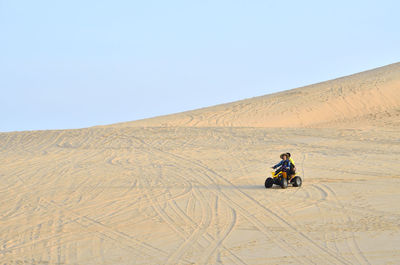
(278, 165)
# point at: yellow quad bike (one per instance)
(283, 179)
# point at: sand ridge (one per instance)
(188, 188)
(354, 99)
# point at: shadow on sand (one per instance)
(230, 187)
(240, 187)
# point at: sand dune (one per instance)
(188, 188)
(363, 99)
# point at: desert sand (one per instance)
(188, 188)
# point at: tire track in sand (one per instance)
(199, 230)
(105, 231)
(204, 171)
(352, 243)
(238, 193)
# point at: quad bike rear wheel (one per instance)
(269, 182)
(297, 181)
(284, 183)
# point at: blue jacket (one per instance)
(284, 163)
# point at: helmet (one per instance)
(284, 154)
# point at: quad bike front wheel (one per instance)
(297, 181)
(269, 182)
(283, 183)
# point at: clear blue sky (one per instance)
(71, 64)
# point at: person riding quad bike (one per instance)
(284, 164)
(284, 174)
(292, 165)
